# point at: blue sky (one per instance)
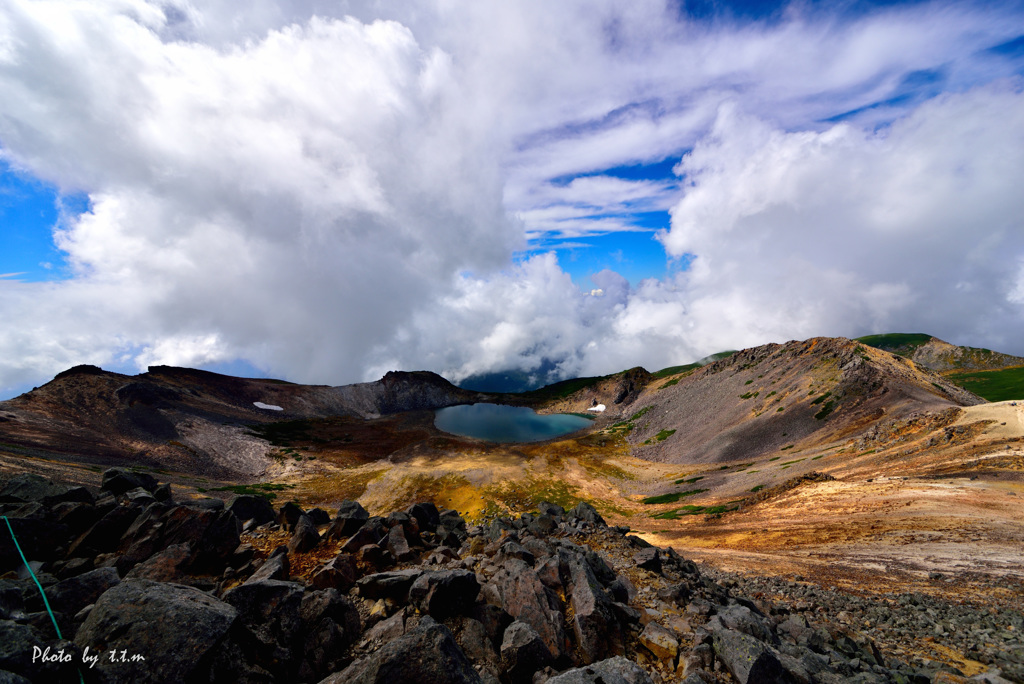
(326, 195)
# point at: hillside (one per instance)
(191, 420)
(940, 356)
(762, 399)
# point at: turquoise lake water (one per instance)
(500, 423)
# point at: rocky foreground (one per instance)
(144, 588)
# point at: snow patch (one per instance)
(598, 408)
(271, 407)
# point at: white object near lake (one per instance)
(599, 408)
(269, 407)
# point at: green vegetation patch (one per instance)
(749, 395)
(560, 390)
(825, 410)
(673, 497)
(994, 385)
(822, 398)
(284, 433)
(265, 489)
(640, 414)
(788, 446)
(663, 435)
(690, 480)
(796, 460)
(691, 509)
(675, 370)
(673, 381)
(903, 344)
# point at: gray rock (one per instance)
(248, 507)
(524, 597)
(393, 585)
(523, 652)
(177, 629)
(398, 545)
(747, 659)
(444, 593)
(426, 653)
(305, 537)
(594, 622)
(615, 670)
(120, 480)
(742, 619)
(75, 593)
(648, 559)
(584, 512)
(351, 516)
(30, 487)
(338, 573)
(274, 568)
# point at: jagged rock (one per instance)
(205, 503)
(271, 612)
(426, 653)
(288, 516)
(615, 670)
(105, 535)
(29, 487)
(553, 510)
(743, 619)
(305, 537)
(394, 585)
(351, 516)
(177, 629)
(338, 573)
(11, 678)
(426, 515)
(330, 625)
(77, 515)
(495, 621)
(660, 642)
(119, 480)
(71, 595)
(276, 567)
(164, 493)
(11, 599)
(523, 652)
(165, 566)
(584, 512)
(524, 597)
(622, 590)
(319, 516)
(371, 532)
(39, 540)
(373, 556)
(594, 622)
(17, 646)
(542, 525)
(444, 593)
(511, 549)
(248, 507)
(747, 659)
(398, 546)
(212, 536)
(648, 559)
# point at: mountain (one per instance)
(941, 356)
(193, 420)
(759, 400)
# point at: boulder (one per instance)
(426, 515)
(523, 652)
(38, 539)
(166, 566)
(351, 516)
(743, 619)
(426, 653)
(371, 532)
(248, 507)
(271, 612)
(29, 487)
(393, 585)
(75, 593)
(615, 670)
(525, 598)
(584, 512)
(330, 624)
(648, 559)
(398, 545)
(594, 622)
(212, 536)
(319, 516)
(305, 538)
(177, 629)
(444, 593)
(747, 659)
(120, 480)
(276, 567)
(289, 516)
(660, 642)
(338, 573)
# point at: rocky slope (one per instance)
(940, 356)
(301, 596)
(759, 400)
(190, 420)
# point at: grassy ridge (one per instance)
(903, 344)
(994, 385)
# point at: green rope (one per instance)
(81, 677)
(34, 578)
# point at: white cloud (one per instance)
(330, 192)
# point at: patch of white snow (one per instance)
(598, 408)
(270, 407)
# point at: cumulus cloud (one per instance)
(332, 192)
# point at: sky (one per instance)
(325, 191)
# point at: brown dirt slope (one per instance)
(759, 400)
